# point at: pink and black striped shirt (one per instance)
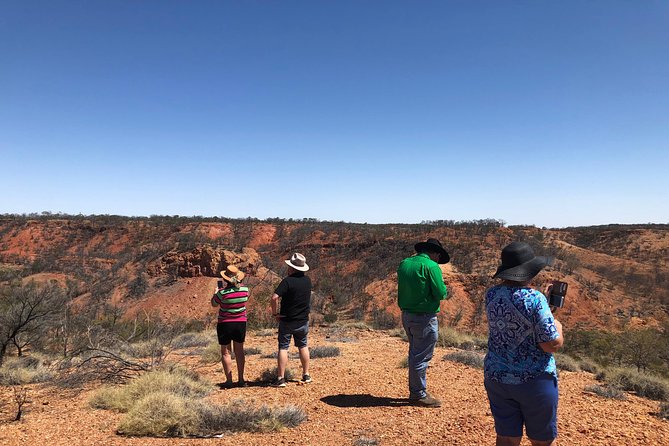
(232, 303)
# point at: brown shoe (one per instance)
(427, 401)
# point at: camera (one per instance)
(557, 294)
(220, 284)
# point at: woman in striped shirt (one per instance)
(231, 300)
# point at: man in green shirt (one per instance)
(420, 289)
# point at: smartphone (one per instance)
(558, 293)
(220, 284)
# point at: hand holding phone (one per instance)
(556, 294)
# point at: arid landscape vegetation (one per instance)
(91, 304)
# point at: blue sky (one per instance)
(533, 112)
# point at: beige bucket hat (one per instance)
(233, 274)
(297, 261)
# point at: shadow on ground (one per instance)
(363, 400)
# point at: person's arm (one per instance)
(556, 344)
(214, 300)
(547, 329)
(275, 306)
(437, 285)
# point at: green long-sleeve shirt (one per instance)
(420, 286)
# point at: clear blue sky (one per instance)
(534, 112)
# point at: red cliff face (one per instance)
(618, 275)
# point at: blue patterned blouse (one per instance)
(518, 320)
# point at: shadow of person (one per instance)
(235, 385)
(364, 400)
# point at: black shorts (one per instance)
(231, 331)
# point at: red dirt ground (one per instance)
(346, 401)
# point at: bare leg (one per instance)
(282, 359)
(507, 441)
(241, 360)
(543, 443)
(227, 362)
(304, 359)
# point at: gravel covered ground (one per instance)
(360, 394)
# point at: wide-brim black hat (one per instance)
(519, 263)
(432, 244)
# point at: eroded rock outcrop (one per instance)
(204, 261)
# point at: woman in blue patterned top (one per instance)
(520, 373)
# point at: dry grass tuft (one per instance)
(161, 414)
(566, 363)
(168, 403)
(188, 340)
(647, 386)
(211, 353)
(449, 337)
(324, 351)
(269, 375)
(176, 380)
(471, 359)
(24, 370)
(610, 392)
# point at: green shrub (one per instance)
(647, 386)
(404, 363)
(330, 317)
(324, 351)
(610, 392)
(469, 358)
(567, 363)
(24, 370)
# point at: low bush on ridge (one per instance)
(611, 392)
(647, 386)
(664, 411)
(566, 363)
(168, 403)
(589, 366)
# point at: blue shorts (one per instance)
(295, 329)
(533, 404)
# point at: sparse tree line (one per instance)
(82, 250)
